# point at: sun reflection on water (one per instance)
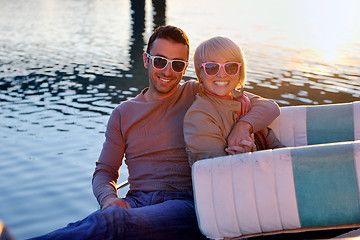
(327, 27)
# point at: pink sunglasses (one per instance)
(212, 68)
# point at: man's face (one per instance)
(163, 83)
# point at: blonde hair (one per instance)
(221, 46)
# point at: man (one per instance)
(148, 130)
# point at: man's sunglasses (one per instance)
(160, 63)
(212, 68)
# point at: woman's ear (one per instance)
(240, 87)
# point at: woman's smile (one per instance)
(221, 83)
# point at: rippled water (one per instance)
(65, 64)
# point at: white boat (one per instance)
(312, 184)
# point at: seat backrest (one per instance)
(289, 189)
(308, 125)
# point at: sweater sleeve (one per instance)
(110, 160)
(263, 112)
(202, 136)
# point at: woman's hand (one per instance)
(241, 139)
(243, 146)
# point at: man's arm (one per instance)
(110, 160)
(262, 113)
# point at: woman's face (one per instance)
(220, 84)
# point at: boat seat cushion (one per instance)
(289, 189)
(308, 125)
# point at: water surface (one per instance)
(64, 65)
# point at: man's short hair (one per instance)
(170, 33)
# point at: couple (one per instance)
(148, 131)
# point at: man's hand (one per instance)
(241, 139)
(113, 200)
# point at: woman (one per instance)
(221, 71)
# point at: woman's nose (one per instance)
(222, 72)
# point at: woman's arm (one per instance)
(203, 137)
(262, 113)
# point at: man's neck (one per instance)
(151, 96)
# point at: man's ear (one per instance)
(146, 60)
(184, 71)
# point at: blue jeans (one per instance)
(154, 215)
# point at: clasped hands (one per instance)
(241, 139)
